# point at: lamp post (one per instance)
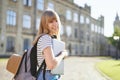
(116, 38)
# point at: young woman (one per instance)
(49, 27)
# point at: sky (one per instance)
(107, 8)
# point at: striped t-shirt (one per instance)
(43, 43)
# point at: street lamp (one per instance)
(116, 38)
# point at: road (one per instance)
(83, 68)
(76, 68)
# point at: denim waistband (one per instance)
(47, 70)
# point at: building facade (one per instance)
(19, 22)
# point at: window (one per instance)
(75, 17)
(81, 19)
(27, 2)
(11, 17)
(26, 44)
(37, 23)
(92, 27)
(68, 30)
(50, 5)
(75, 33)
(88, 50)
(26, 21)
(88, 37)
(10, 44)
(40, 4)
(14, 0)
(102, 30)
(96, 30)
(68, 15)
(76, 49)
(82, 49)
(87, 20)
(81, 35)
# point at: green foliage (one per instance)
(111, 41)
(116, 31)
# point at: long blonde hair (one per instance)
(47, 16)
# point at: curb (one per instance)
(103, 74)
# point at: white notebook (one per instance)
(58, 46)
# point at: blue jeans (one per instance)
(48, 76)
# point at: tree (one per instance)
(116, 33)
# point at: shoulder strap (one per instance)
(33, 58)
(38, 72)
(26, 63)
(44, 71)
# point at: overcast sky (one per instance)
(107, 8)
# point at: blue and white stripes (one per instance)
(43, 43)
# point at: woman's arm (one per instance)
(50, 59)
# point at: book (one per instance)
(58, 46)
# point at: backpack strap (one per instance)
(33, 58)
(40, 68)
(26, 62)
(44, 71)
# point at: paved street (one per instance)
(76, 68)
(82, 68)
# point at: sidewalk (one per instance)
(4, 74)
(76, 68)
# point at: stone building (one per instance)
(19, 22)
(117, 21)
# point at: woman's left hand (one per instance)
(65, 52)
